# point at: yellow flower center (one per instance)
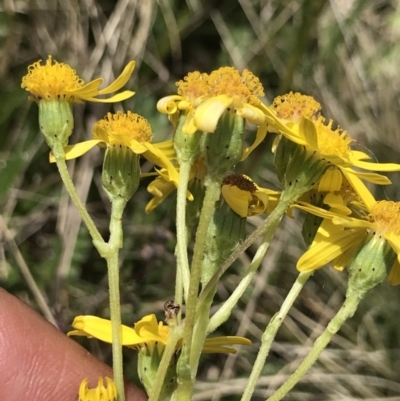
(121, 128)
(50, 81)
(243, 88)
(294, 105)
(332, 142)
(386, 215)
(239, 181)
(193, 86)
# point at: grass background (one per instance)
(345, 53)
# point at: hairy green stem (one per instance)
(182, 272)
(213, 190)
(69, 186)
(346, 311)
(270, 333)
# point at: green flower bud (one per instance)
(225, 231)
(223, 149)
(121, 172)
(370, 265)
(56, 121)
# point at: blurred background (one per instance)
(345, 53)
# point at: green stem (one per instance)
(346, 311)
(174, 336)
(270, 333)
(182, 273)
(62, 168)
(110, 252)
(213, 190)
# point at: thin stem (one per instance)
(174, 336)
(213, 190)
(64, 173)
(182, 272)
(346, 311)
(270, 333)
(111, 253)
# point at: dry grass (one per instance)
(345, 53)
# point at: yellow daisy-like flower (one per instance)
(147, 332)
(205, 97)
(130, 130)
(297, 118)
(99, 393)
(246, 198)
(56, 80)
(339, 235)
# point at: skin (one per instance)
(38, 362)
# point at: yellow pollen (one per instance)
(193, 86)
(294, 105)
(386, 216)
(50, 81)
(121, 128)
(228, 81)
(332, 142)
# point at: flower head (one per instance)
(147, 332)
(340, 235)
(56, 81)
(99, 393)
(205, 97)
(297, 118)
(129, 130)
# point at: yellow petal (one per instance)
(168, 104)
(394, 275)
(167, 147)
(360, 188)
(251, 114)
(207, 115)
(121, 80)
(101, 329)
(119, 97)
(157, 157)
(227, 340)
(77, 150)
(308, 131)
(377, 166)
(260, 136)
(331, 181)
(88, 90)
(189, 127)
(358, 155)
(322, 253)
(237, 199)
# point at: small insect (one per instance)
(171, 310)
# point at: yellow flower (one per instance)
(297, 118)
(340, 235)
(147, 332)
(130, 130)
(99, 393)
(246, 198)
(205, 97)
(56, 80)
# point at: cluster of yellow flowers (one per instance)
(319, 171)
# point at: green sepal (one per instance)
(121, 172)
(223, 149)
(369, 266)
(56, 122)
(187, 147)
(225, 232)
(149, 358)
